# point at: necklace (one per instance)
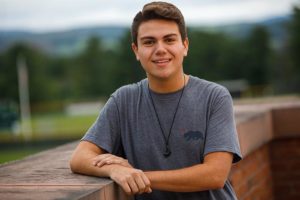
(167, 152)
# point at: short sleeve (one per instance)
(221, 134)
(105, 130)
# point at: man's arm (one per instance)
(212, 174)
(82, 158)
(131, 180)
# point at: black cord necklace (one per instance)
(167, 152)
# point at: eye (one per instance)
(148, 42)
(170, 40)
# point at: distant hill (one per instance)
(64, 42)
(73, 41)
(276, 26)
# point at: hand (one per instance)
(108, 159)
(133, 181)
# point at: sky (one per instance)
(55, 15)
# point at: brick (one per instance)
(286, 122)
(241, 190)
(236, 178)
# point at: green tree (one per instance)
(8, 76)
(214, 56)
(286, 75)
(39, 85)
(59, 71)
(294, 42)
(294, 48)
(89, 72)
(128, 69)
(258, 53)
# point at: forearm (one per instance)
(212, 174)
(191, 179)
(87, 159)
(82, 163)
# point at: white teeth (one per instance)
(161, 61)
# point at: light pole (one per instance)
(26, 128)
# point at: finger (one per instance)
(103, 162)
(108, 161)
(139, 183)
(142, 182)
(149, 190)
(98, 158)
(103, 158)
(126, 188)
(147, 184)
(133, 185)
(113, 160)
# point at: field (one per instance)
(47, 131)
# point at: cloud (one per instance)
(236, 11)
(64, 14)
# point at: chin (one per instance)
(164, 78)
(161, 74)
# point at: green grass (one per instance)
(53, 126)
(58, 126)
(48, 127)
(16, 154)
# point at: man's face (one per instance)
(160, 49)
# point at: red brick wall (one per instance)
(285, 156)
(272, 172)
(269, 136)
(252, 177)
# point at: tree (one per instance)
(8, 76)
(294, 42)
(39, 85)
(89, 71)
(294, 48)
(214, 56)
(258, 53)
(128, 69)
(287, 65)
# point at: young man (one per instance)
(170, 136)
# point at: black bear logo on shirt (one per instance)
(193, 135)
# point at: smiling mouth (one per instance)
(162, 61)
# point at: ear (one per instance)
(186, 46)
(135, 50)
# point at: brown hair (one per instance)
(158, 10)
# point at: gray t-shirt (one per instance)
(127, 126)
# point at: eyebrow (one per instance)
(166, 36)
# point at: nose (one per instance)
(160, 48)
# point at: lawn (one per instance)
(51, 127)
(16, 154)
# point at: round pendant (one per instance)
(167, 153)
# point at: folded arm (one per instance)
(212, 174)
(132, 181)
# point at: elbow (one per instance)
(218, 182)
(73, 164)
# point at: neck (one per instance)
(168, 85)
